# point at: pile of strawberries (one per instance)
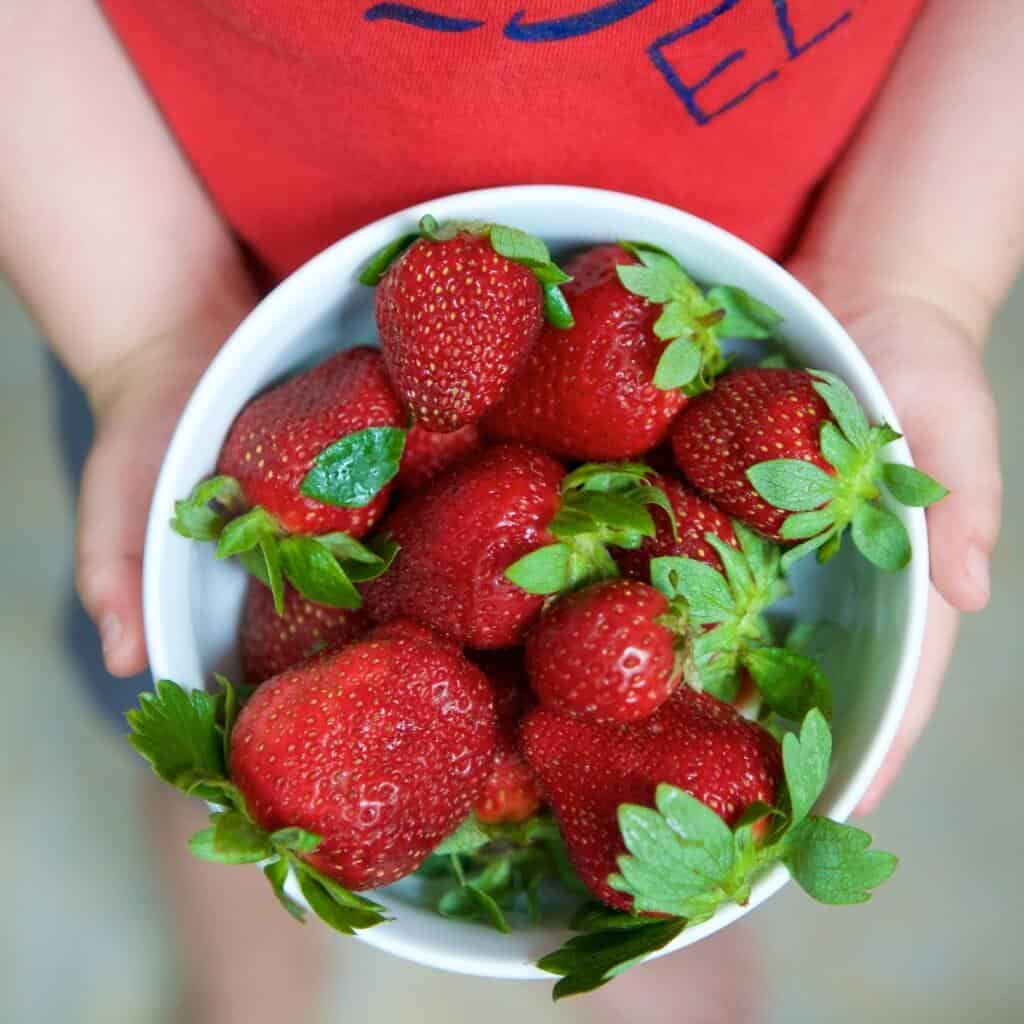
(506, 623)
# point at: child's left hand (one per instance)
(929, 362)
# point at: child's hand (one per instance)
(930, 365)
(137, 404)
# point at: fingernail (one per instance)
(110, 634)
(978, 572)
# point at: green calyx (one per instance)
(603, 505)
(324, 568)
(186, 738)
(727, 633)
(518, 246)
(692, 322)
(684, 861)
(825, 503)
(485, 872)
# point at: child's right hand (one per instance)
(136, 403)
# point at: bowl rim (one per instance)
(288, 293)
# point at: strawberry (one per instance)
(645, 336)
(458, 307)
(428, 453)
(379, 748)
(791, 454)
(603, 652)
(484, 543)
(269, 643)
(304, 472)
(695, 517)
(512, 793)
(590, 769)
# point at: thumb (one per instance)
(134, 425)
(934, 375)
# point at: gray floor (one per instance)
(83, 939)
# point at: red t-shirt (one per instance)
(309, 118)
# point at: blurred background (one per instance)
(85, 936)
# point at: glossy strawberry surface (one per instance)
(277, 436)
(588, 392)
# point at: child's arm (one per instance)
(127, 268)
(914, 245)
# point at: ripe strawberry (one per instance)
(512, 793)
(428, 453)
(770, 442)
(645, 337)
(380, 748)
(589, 769)
(603, 652)
(311, 461)
(484, 543)
(269, 643)
(279, 436)
(695, 517)
(457, 311)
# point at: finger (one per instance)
(948, 414)
(940, 637)
(117, 486)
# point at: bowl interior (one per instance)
(193, 603)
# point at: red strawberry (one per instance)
(428, 453)
(483, 544)
(312, 461)
(695, 517)
(769, 442)
(277, 437)
(588, 769)
(457, 312)
(512, 793)
(269, 643)
(380, 748)
(644, 338)
(602, 652)
(457, 538)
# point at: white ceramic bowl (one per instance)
(193, 603)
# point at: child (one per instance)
(140, 215)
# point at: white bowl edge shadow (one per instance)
(301, 308)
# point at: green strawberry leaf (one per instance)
(203, 514)
(298, 840)
(745, 316)
(816, 543)
(701, 586)
(236, 840)
(791, 684)
(618, 511)
(838, 451)
(606, 476)
(226, 709)
(360, 562)
(313, 571)
(335, 906)
(844, 407)
(911, 487)
(595, 916)
(276, 873)
(544, 571)
(247, 532)
(352, 471)
(792, 484)
(801, 525)
(176, 732)
(881, 538)
(520, 247)
(467, 838)
(586, 962)
(679, 364)
(470, 902)
(382, 259)
(805, 761)
(832, 863)
(556, 308)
